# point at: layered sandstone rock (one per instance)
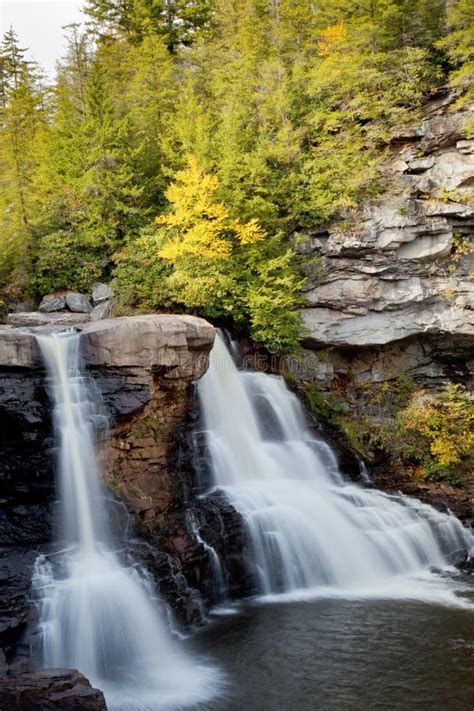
(400, 268)
(390, 294)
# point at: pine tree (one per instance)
(22, 116)
(89, 189)
(107, 184)
(177, 21)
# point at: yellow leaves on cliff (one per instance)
(331, 39)
(445, 421)
(198, 225)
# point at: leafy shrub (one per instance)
(445, 425)
(441, 472)
(65, 262)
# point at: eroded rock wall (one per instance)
(143, 368)
(390, 290)
(400, 267)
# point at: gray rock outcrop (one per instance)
(67, 309)
(400, 268)
(52, 302)
(103, 310)
(101, 292)
(78, 303)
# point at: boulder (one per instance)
(175, 345)
(78, 302)
(102, 311)
(52, 302)
(101, 292)
(48, 690)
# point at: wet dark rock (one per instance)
(27, 495)
(459, 558)
(50, 690)
(26, 462)
(16, 569)
(467, 565)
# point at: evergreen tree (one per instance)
(178, 21)
(22, 115)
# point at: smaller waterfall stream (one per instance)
(309, 528)
(96, 614)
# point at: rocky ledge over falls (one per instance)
(164, 342)
(144, 368)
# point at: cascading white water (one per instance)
(216, 565)
(96, 614)
(309, 528)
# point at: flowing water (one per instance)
(311, 531)
(96, 613)
(343, 655)
(321, 546)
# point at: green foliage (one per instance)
(434, 433)
(63, 263)
(286, 105)
(446, 424)
(316, 401)
(200, 258)
(441, 472)
(176, 20)
(459, 45)
(140, 279)
(22, 118)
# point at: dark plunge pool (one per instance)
(339, 655)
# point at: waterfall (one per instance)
(215, 563)
(96, 614)
(309, 528)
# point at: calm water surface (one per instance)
(330, 655)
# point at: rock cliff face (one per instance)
(144, 368)
(392, 292)
(399, 268)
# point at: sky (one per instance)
(38, 26)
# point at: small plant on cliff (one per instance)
(445, 425)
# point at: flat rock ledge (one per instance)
(176, 346)
(48, 690)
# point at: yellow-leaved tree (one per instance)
(200, 257)
(200, 240)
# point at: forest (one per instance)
(186, 146)
(236, 356)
